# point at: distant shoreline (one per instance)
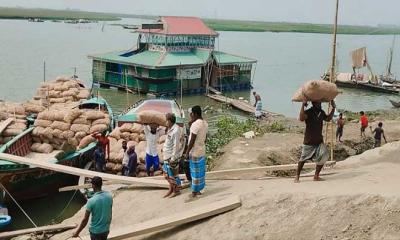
(216, 24)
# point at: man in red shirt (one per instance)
(364, 123)
(103, 140)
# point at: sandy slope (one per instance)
(359, 201)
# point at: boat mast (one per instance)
(332, 77)
(389, 66)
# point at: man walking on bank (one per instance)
(313, 145)
(100, 207)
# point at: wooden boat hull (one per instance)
(366, 86)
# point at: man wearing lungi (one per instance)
(314, 148)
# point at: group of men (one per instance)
(177, 152)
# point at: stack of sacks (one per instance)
(62, 90)
(74, 126)
(19, 124)
(133, 133)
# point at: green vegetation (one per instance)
(253, 26)
(229, 128)
(25, 13)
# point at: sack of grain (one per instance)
(116, 133)
(60, 87)
(73, 142)
(137, 128)
(125, 136)
(60, 125)
(71, 84)
(316, 91)
(16, 125)
(134, 137)
(45, 148)
(98, 128)
(12, 132)
(48, 133)
(35, 147)
(105, 121)
(142, 174)
(68, 134)
(57, 133)
(58, 116)
(141, 146)
(94, 115)
(131, 144)
(42, 123)
(126, 127)
(33, 108)
(38, 131)
(150, 116)
(72, 115)
(57, 100)
(81, 120)
(141, 167)
(83, 94)
(80, 135)
(70, 93)
(80, 128)
(110, 166)
(142, 137)
(36, 140)
(86, 141)
(113, 141)
(14, 108)
(62, 79)
(54, 94)
(117, 167)
(45, 115)
(3, 115)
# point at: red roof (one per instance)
(182, 26)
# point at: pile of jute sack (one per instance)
(53, 128)
(18, 124)
(61, 90)
(133, 134)
(316, 91)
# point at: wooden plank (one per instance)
(86, 173)
(5, 124)
(50, 228)
(174, 220)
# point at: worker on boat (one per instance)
(172, 152)
(196, 150)
(257, 105)
(313, 145)
(132, 162)
(99, 158)
(105, 143)
(100, 207)
(152, 133)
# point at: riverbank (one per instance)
(216, 24)
(365, 183)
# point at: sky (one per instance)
(357, 12)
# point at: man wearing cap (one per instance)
(100, 207)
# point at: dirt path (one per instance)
(360, 200)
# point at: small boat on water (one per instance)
(159, 105)
(25, 182)
(35, 20)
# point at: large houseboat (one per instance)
(173, 55)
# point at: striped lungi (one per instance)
(198, 173)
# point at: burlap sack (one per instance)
(94, 115)
(54, 94)
(81, 120)
(316, 91)
(35, 147)
(38, 131)
(57, 100)
(46, 115)
(142, 174)
(86, 141)
(141, 146)
(17, 125)
(125, 136)
(83, 94)
(150, 116)
(45, 148)
(3, 115)
(57, 133)
(12, 132)
(131, 144)
(105, 121)
(117, 168)
(60, 87)
(80, 135)
(80, 128)
(142, 137)
(58, 116)
(42, 123)
(72, 115)
(126, 127)
(134, 137)
(73, 142)
(137, 128)
(98, 128)
(68, 134)
(33, 108)
(116, 133)
(110, 166)
(48, 133)
(60, 125)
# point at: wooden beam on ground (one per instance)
(176, 219)
(86, 173)
(50, 228)
(5, 124)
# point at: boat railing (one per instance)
(20, 145)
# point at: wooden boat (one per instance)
(395, 104)
(367, 86)
(25, 182)
(159, 105)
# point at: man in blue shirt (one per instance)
(99, 158)
(100, 207)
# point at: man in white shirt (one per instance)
(152, 133)
(172, 152)
(196, 150)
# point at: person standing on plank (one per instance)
(257, 105)
(313, 145)
(172, 152)
(152, 133)
(196, 150)
(100, 207)
(378, 135)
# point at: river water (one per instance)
(285, 61)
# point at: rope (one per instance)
(66, 206)
(1, 185)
